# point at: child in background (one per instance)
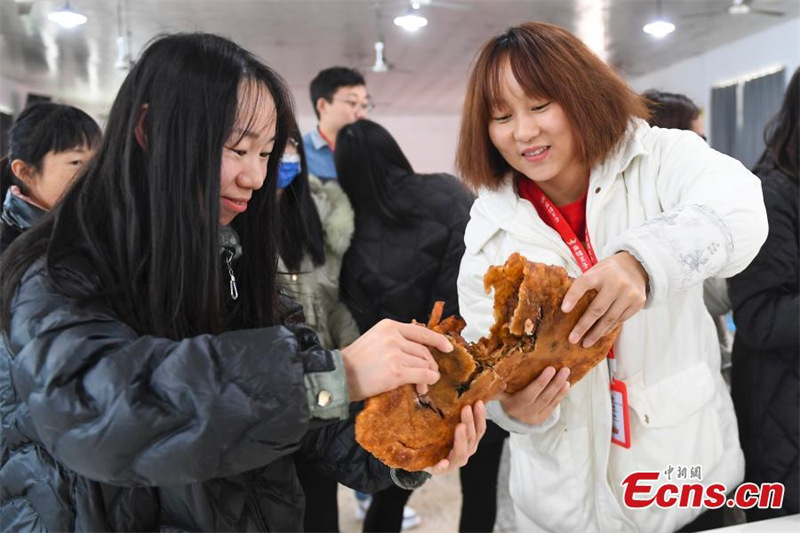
(49, 144)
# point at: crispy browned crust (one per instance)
(412, 432)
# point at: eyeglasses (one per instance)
(368, 106)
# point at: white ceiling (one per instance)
(300, 37)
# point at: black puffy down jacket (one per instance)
(766, 352)
(107, 430)
(398, 272)
(17, 216)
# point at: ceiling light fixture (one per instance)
(411, 20)
(739, 7)
(659, 28)
(66, 17)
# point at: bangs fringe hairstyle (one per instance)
(42, 128)
(552, 64)
(146, 216)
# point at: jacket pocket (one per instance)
(674, 422)
(543, 465)
(673, 399)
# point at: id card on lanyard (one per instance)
(620, 418)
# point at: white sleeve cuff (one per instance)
(678, 249)
(495, 412)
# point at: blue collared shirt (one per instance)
(319, 156)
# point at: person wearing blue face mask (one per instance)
(317, 224)
(288, 169)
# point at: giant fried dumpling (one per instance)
(410, 431)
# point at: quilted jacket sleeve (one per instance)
(713, 221)
(333, 451)
(126, 409)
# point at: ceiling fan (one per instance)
(380, 64)
(124, 57)
(740, 7)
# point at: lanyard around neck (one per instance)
(585, 257)
(324, 138)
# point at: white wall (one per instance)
(429, 142)
(694, 77)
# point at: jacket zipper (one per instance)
(597, 205)
(234, 290)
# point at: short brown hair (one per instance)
(548, 62)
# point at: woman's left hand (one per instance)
(467, 436)
(621, 284)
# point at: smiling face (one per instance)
(246, 152)
(534, 136)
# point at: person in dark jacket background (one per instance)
(405, 252)
(409, 238)
(48, 145)
(151, 375)
(766, 309)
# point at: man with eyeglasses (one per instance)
(339, 96)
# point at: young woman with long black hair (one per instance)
(152, 375)
(48, 145)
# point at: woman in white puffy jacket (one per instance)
(547, 123)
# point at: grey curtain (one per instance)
(761, 100)
(723, 119)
